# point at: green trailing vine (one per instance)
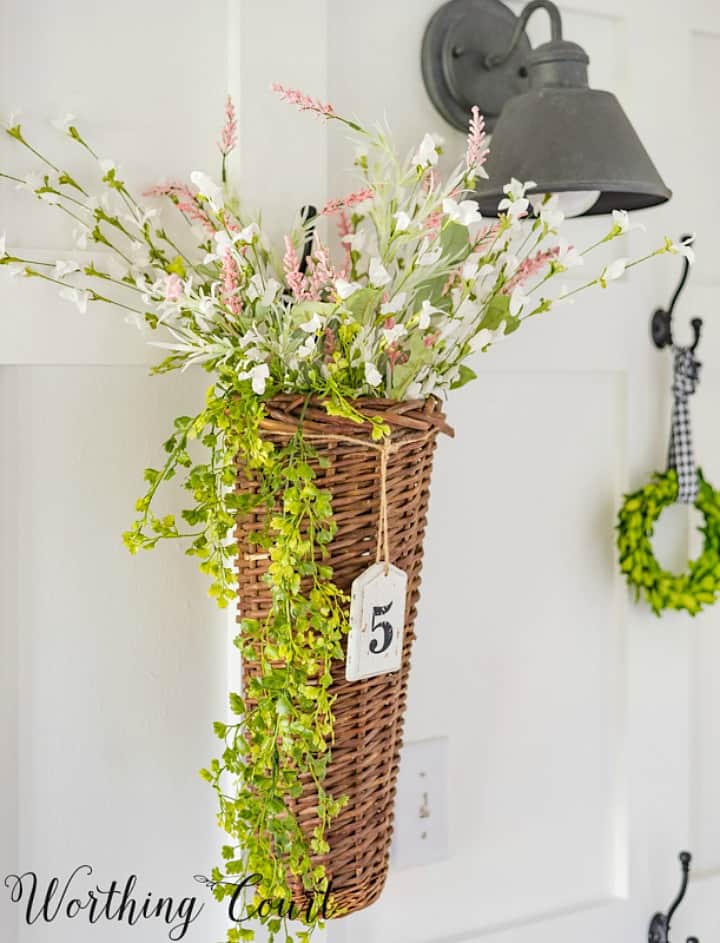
(283, 729)
(662, 589)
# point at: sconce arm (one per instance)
(496, 59)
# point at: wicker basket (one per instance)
(369, 714)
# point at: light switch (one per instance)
(421, 809)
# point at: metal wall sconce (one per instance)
(547, 124)
(659, 931)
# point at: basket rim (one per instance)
(418, 415)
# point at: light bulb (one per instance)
(570, 202)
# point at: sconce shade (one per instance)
(570, 139)
(547, 124)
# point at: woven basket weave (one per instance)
(368, 714)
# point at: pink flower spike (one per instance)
(321, 272)
(433, 222)
(531, 266)
(228, 137)
(185, 200)
(230, 281)
(293, 276)
(334, 206)
(302, 101)
(485, 236)
(477, 148)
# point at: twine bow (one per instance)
(686, 370)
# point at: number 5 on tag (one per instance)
(377, 621)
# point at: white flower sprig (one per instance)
(424, 284)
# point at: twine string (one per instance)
(383, 539)
(382, 547)
(686, 371)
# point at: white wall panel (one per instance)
(519, 659)
(121, 660)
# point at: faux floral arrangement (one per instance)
(423, 285)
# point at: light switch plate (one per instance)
(421, 810)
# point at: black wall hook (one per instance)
(659, 931)
(661, 324)
(308, 215)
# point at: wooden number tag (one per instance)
(377, 621)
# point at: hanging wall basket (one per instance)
(369, 713)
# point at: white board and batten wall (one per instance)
(581, 730)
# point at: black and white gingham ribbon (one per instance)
(686, 371)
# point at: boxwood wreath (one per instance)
(662, 589)
(424, 285)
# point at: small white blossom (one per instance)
(345, 289)
(207, 188)
(12, 120)
(514, 209)
(13, 269)
(550, 214)
(357, 241)
(465, 212)
(568, 256)
(518, 300)
(258, 289)
(470, 266)
(307, 348)
(107, 164)
(248, 234)
(258, 375)
(515, 203)
(80, 237)
(65, 267)
(372, 375)
(481, 339)
(138, 217)
(427, 154)
(77, 296)
(395, 304)
(3, 249)
(63, 124)
(52, 199)
(615, 270)
(378, 274)
(316, 323)
(684, 248)
(402, 221)
(270, 293)
(426, 255)
(394, 332)
(426, 312)
(621, 219)
(486, 271)
(517, 190)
